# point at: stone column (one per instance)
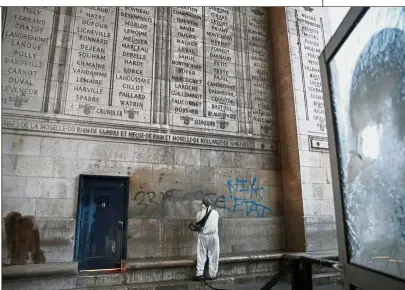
(62, 62)
(160, 63)
(298, 35)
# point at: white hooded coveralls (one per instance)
(208, 243)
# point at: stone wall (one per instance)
(299, 35)
(187, 102)
(179, 99)
(40, 178)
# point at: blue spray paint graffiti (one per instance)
(244, 196)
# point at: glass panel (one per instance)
(368, 94)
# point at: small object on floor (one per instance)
(198, 278)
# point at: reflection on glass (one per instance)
(368, 93)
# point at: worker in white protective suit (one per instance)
(208, 241)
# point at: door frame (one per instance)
(354, 275)
(80, 195)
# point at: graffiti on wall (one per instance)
(168, 198)
(161, 204)
(244, 197)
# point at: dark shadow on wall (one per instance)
(22, 238)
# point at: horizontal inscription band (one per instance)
(68, 128)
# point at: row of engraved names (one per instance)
(138, 89)
(94, 95)
(309, 19)
(130, 92)
(180, 28)
(148, 12)
(30, 63)
(182, 67)
(176, 15)
(214, 115)
(36, 15)
(141, 65)
(22, 76)
(135, 36)
(98, 31)
(134, 40)
(179, 71)
(98, 82)
(135, 62)
(103, 25)
(212, 119)
(96, 51)
(186, 95)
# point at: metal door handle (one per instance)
(121, 223)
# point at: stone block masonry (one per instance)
(176, 98)
(201, 70)
(300, 34)
(183, 101)
(166, 186)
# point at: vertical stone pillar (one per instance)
(239, 20)
(160, 64)
(295, 232)
(62, 57)
(298, 35)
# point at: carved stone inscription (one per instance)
(25, 51)
(89, 84)
(311, 43)
(187, 67)
(203, 68)
(132, 83)
(262, 100)
(221, 81)
(129, 134)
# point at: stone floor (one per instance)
(279, 286)
(284, 287)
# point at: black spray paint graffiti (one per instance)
(155, 204)
(243, 197)
(146, 199)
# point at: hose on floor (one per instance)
(212, 287)
(269, 285)
(276, 278)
